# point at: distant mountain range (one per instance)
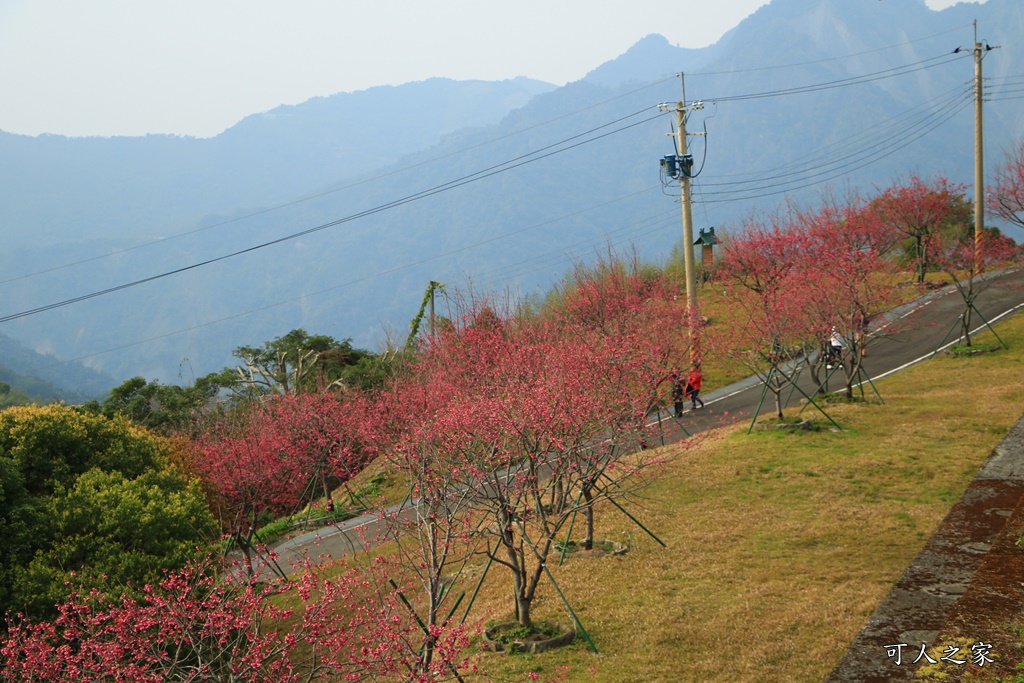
(502, 183)
(146, 187)
(51, 378)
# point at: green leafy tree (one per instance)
(165, 408)
(300, 362)
(89, 495)
(17, 521)
(52, 445)
(112, 533)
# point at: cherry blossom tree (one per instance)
(849, 277)
(966, 261)
(1006, 192)
(269, 457)
(433, 528)
(765, 267)
(919, 209)
(516, 419)
(194, 626)
(629, 325)
(246, 461)
(327, 436)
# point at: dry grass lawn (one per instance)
(779, 545)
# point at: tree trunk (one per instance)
(849, 382)
(516, 564)
(327, 494)
(523, 605)
(966, 319)
(430, 641)
(525, 597)
(921, 262)
(245, 542)
(588, 514)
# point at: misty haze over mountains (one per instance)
(583, 175)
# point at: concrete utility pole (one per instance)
(682, 110)
(979, 149)
(979, 145)
(684, 185)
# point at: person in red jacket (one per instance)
(694, 382)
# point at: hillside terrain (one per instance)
(51, 379)
(772, 546)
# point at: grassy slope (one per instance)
(719, 371)
(779, 546)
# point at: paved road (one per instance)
(918, 330)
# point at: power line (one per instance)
(799, 90)
(450, 185)
(874, 135)
(845, 82)
(866, 160)
(829, 59)
(408, 167)
(404, 169)
(825, 163)
(365, 278)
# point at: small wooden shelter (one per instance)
(707, 241)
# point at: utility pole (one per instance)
(979, 145)
(681, 168)
(979, 149)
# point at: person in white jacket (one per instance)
(834, 352)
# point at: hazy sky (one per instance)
(196, 67)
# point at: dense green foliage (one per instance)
(165, 408)
(83, 495)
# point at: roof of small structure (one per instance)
(707, 237)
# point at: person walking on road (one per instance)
(693, 386)
(834, 352)
(678, 393)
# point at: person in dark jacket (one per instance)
(678, 393)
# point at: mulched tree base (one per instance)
(802, 425)
(968, 351)
(600, 548)
(532, 643)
